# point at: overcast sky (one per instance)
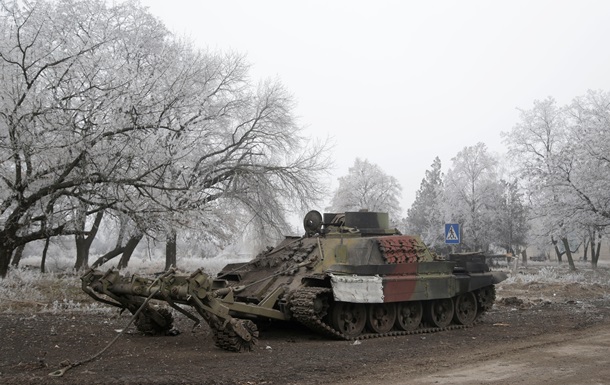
(401, 82)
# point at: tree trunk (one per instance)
(587, 240)
(594, 261)
(595, 252)
(566, 245)
(83, 243)
(17, 255)
(557, 252)
(129, 248)
(524, 256)
(170, 250)
(82, 253)
(43, 260)
(7, 247)
(592, 241)
(5, 259)
(108, 256)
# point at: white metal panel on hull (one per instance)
(358, 289)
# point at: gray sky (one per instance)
(401, 82)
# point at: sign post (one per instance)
(452, 233)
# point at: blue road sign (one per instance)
(452, 233)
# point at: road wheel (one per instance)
(439, 312)
(349, 318)
(409, 315)
(465, 309)
(380, 317)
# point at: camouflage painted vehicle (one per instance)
(350, 276)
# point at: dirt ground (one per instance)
(537, 333)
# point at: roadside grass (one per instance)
(539, 283)
(550, 272)
(26, 289)
(29, 290)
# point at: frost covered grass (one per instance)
(558, 274)
(188, 264)
(30, 290)
(557, 284)
(27, 289)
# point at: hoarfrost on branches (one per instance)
(367, 187)
(103, 110)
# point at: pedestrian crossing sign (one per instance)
(452, 233)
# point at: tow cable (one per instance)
(62, 371)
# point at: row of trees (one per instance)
(562, 155)
(551, 194)
(492, 210)
(106, 117)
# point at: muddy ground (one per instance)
(537, 333)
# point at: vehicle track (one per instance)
(306, 311)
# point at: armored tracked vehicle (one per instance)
(349, 276)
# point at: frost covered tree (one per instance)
(251, 154)
(509, 217)
(536, 145)
(101, 108)
(425, 216)
(469, 195)
(56, 149)
(562, 156)
(588, 176)
(366, 186)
